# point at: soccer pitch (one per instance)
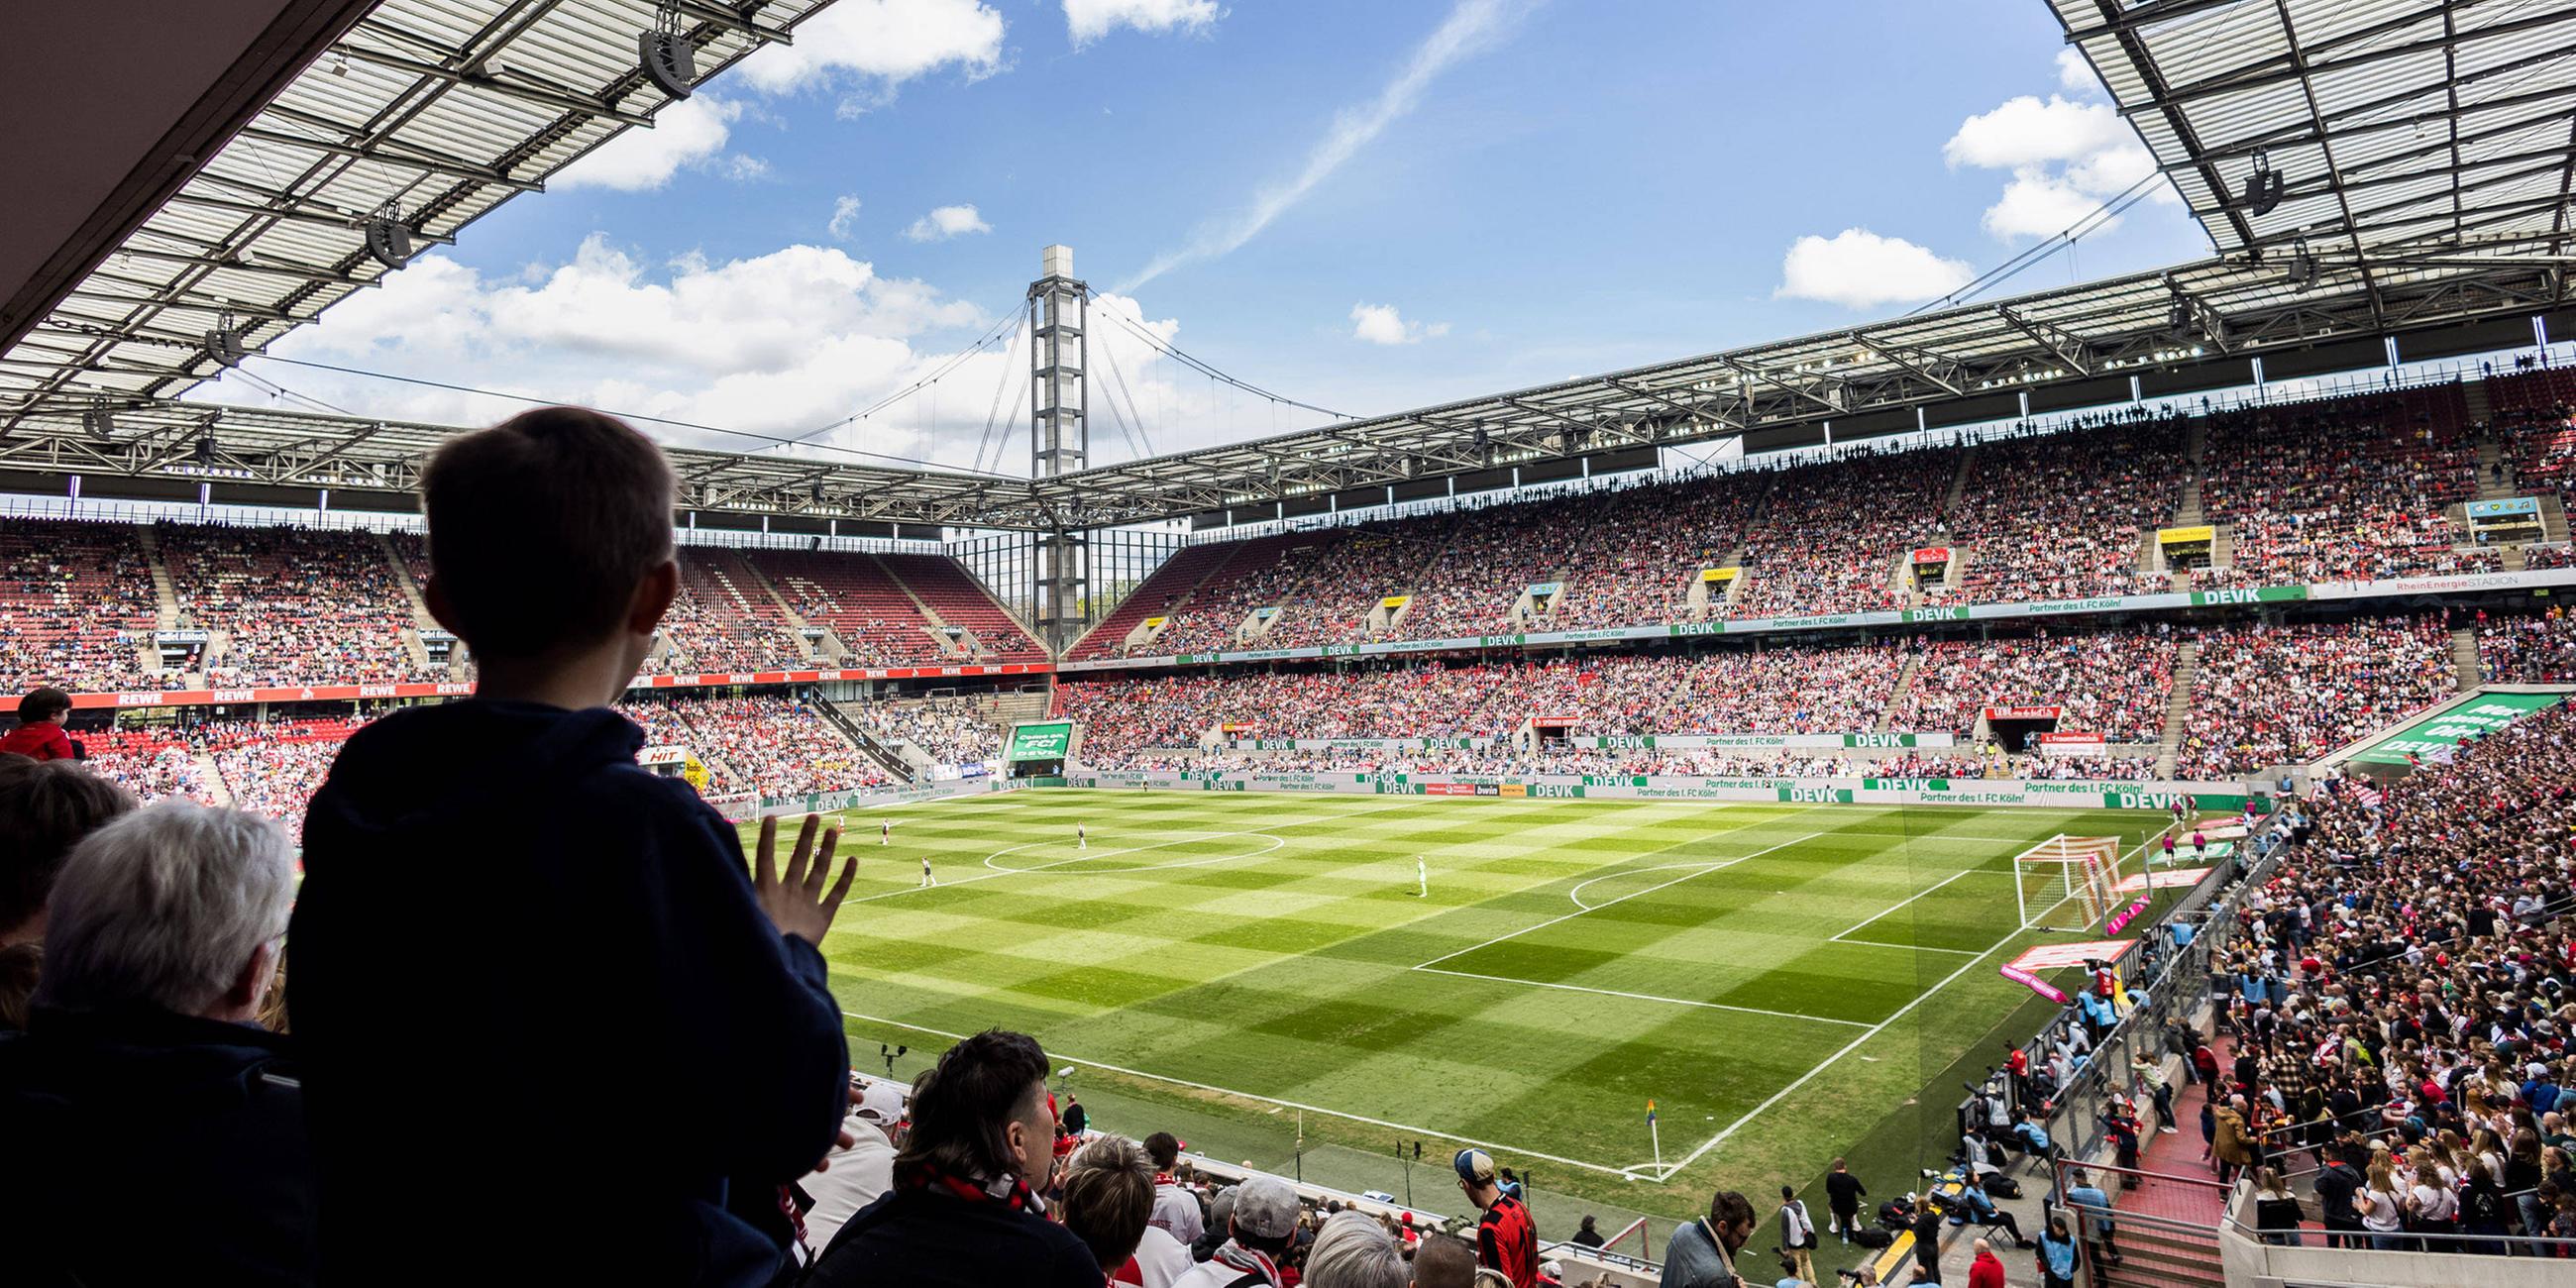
(1780, 979)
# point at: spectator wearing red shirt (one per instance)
(1506, 1239)
(39, 734)
(1985, 1271)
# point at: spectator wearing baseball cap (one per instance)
(1263, 1225)
(1176, 1210)
(853, 1177)
(1506, 1239)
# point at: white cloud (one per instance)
(777, 344)
(2025, 131)
(689, 133)
(845, 216)
(2067, 159)
(1471, 28)
(946, 222)
(2039, 204)
(2074, 73)
(1857, 268)
(1089, 20)
(1381, 324)
(881, 44)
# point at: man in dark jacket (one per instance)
(2335, 1187)
(531, 954)
(154, 1133)
(964, 1211)
(1843, 1193)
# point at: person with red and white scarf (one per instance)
(964, 1211)
(1263, 1225)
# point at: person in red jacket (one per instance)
(39, 734)
(1985, 1271)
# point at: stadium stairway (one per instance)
(2491, 487)
(2477, 408)
(2464, 658)
(889, 756)
(164, 592)
(811, 649)
(2186, 670)
(1958, 490)
(1896, 696)
(218, 791)
(418, 606)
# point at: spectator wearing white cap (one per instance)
(1506, 1239)
(851, 1178)
(1263, 1225)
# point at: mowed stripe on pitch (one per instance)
(1288, 974)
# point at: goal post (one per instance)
(2080, 870)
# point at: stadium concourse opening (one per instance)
(1874, 793)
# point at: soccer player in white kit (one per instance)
(1081, 839)
(885, 831)
(1422, 874)
(927, 880)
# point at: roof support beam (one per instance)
(395, 154)
(542, 96)
(1832, 404)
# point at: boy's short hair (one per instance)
(541, 526)
(45, 809)
(42, 705)
(1109, 1198)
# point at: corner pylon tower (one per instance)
(1060, 435)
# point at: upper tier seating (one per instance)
(76, 607)
(295, 605)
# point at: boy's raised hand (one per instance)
(797, 903)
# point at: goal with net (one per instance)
(2067, 877)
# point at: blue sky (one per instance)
(1364, 206)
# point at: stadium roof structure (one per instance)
(2385, 127)
(444, 118)
(426, 112)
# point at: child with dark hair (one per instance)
(39, 735)
(533, 953)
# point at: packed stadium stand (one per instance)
(2350, 489)
(1183, 588)
(1830, 535)
(2064, 516)
(293, 605)
(2272, 695)
(76, 606)
(2114, 683)
(2538, 649)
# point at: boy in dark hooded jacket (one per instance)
(518, 955)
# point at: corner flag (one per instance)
(1650, 1111)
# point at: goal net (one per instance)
(2067, 876)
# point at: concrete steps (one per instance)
(2178, 707)
(1896, 696)
(216, 787)
(2493, 482)
(2464, 658)
(165, 593)
(2473, 398)
(1958, 489)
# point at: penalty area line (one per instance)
(1053, 1054)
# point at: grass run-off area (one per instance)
(1781, 980)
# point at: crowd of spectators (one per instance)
(1344, 580)
(764, 746)
(951, 731)
(2403, 997)
(1831, 533)
(2538, 649)
(2115, 683)
(2065, 515)
(2268, 695)
(723, 619)
(293, 605)
(76, 607)
(2350, 489)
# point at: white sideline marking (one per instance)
(1642, 997)
(1910, 899)
(1911, 948)
(1704, 870)
(1488, 1146)
(1874, 1030)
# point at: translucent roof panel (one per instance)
(430, 112)
(2391, 125)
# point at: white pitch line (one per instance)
(1642, 997)
(1712, 867)
(1911, 948)
(1828, 1062)
(1488, 1146)
(1911, 898)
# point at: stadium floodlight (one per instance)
(99, 421)
(206, 447)
(388, 239)
(224, 343)
(2264, 187)
(667, 57)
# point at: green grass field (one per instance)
(1782, 980)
